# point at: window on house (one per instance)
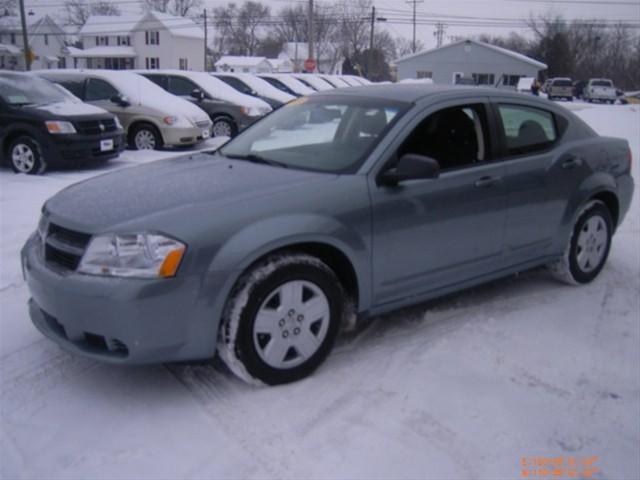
(124, 40)
(424, 74)
(102, 41)
(2, 61)
(152, 37)
(526, 129)
(184, 64)
(511, 80)
(152, 63)
(13, 38)
(455, 137)
(46, 39)
(484, 78)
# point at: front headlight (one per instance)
(255, 111)
(43, 226)
(145, 255)
(177, 121)
(59, 127)
(118, 124)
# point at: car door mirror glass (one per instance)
(411, 167)
(197, 94)
(120, 100)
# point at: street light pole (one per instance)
(25, 38)
(310, 31)
(205, 40)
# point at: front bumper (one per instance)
(122, 320)
(175, 136)
(80, 149)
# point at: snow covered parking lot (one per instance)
(461, 387)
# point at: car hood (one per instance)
(65, 109)
(122, 199)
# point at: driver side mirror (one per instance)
(197, 94)
(120, 100)
(411, 167)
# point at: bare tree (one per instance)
(239, 28)
(354, 25)
(77, 12)
(179, 8)
(8, 7)
(404, 46)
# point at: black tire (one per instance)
(568, 268)
(223, 127)
(25, 156)
(145, 131)
(239, 341)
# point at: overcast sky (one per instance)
(495, 16)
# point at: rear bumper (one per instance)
(626, 187)
(122, 320)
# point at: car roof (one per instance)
(412, 93)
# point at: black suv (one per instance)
(41, 125)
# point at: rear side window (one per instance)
(158, 80)
(527, 129)
(100, 90)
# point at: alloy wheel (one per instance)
(23, 157)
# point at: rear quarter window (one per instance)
(527, 129)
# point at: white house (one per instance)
(46, 41)
(152, 40)
(238, 64)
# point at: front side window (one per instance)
(74, 86)
(181, 86)
(456, 137)
(526, 129)
(323, 134)
(99, 90)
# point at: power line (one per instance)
(415, 4)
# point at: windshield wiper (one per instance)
(252, 157)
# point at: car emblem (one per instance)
(102, 127)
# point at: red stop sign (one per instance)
(309, 64)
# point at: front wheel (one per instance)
(223, 127)
(145, 137)
(281, 320)
(588, 247)
(26, 157)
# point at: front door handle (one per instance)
(487, 182)
(571, 162)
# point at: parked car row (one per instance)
(69, 117)
(593, 90)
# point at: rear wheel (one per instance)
(588, 247)
(145, 137)
(281, 320)
(26, 157)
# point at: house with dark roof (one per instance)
(469, 59)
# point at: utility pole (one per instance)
(25, 39)
(205, 39)
(415, 4)
(373, 22)
(310, 31)
(439, 33)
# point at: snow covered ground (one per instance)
(461, 387)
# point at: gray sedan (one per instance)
(347, 203)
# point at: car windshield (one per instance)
(327, 134)
(29, 90)
(602, 83)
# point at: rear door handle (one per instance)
(487, 182)
(571, 162)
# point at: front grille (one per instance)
(64, 248)
(96, 127)
(203, 124)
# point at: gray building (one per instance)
(486, 64)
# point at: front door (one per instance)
(430, 234)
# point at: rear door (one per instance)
(540, 174)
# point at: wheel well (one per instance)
(611, 202)
(11, 137)
(334, 258)
(136, 124)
